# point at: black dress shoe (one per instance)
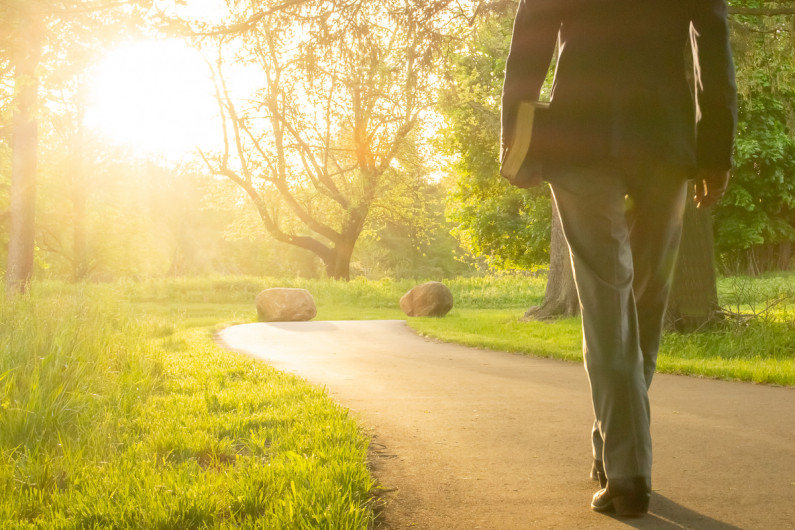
(598, 473)
(627, 497)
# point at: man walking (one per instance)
(625, 134)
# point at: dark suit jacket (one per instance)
(624, 78)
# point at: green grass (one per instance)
(500, 329)
(117, 410)
(120, 416)
(756, 345)
(761, 352)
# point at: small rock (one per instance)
(432, 299)
(281, 304)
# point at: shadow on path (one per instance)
(666, 514)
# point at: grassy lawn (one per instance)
(128, 416)
(758, 348)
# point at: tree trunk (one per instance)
(694, 295)
(78, 192)
(24, 147)
(784, 255)
(80, 265)
(560, 298)
(338, 264)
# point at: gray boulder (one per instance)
(432, 299)
(281, 304)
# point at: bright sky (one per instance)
(155, 97)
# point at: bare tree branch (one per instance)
(279, 179)
(268, 220)
(221, 109)
(344, 85)
(50, 242)
(251, 22)
(85, 7)
(319, 172)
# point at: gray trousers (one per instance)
(623, 224)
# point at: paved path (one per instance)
(474, 439)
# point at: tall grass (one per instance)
(71, 367)
(755, 341)
(115, 417)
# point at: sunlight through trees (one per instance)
(335, 138)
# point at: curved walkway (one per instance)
(466, 438)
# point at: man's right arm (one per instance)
(535, 33)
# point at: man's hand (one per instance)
(529, 176)
(710, 186)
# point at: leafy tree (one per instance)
(334, 124)
(755, 224)
(22, 46)
(122, 228)
(411, 240)
(507, 225)
(36, 36)
(759, 212)
(510, 227)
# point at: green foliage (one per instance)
(124, 416)
(124, 231)
(754, 224)
(508, 226)
(758, 212)
(5, 184)
(407, 236)
(759, 207)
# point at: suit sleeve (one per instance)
(717, 98)
(535, 33)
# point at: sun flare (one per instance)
(155, 97)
